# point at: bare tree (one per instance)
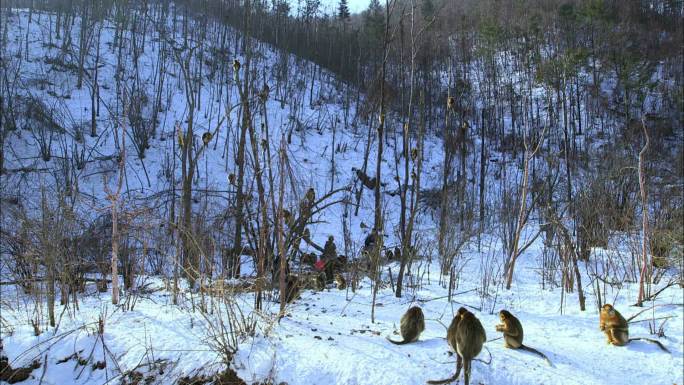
(645, 275)
(115, 198)
(280, 228)
(416, 156)
(523, 214)
(378, 226)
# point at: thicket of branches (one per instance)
(542, 108)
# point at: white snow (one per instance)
(351, 349)
(327, 337)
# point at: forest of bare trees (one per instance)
(173, 139)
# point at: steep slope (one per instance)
(326, 337)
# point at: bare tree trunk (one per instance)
(483, 170)
(50, 262)
(262, 248)
(236, 252)
(415, 155)
(522, 217)
(378, 225)
(94, 103)
(645, 271)
(51, 295)
(444, 201)
(173, 226)
(407, 250)
(240, 200)
(570, 250)
(366, 153)
(280, 227)
(114, 197)
(521, 222)
(82, 44)
(190, 256)
(244, 90)
(115, 254)
(332, 156)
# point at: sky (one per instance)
(355, 6)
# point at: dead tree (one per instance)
(523, 214)
(189, 156)
(570, 252)
(645, 263)
(280, 227)
(115, 197)
(378, 222)
(416, 157)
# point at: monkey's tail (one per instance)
(444, 381)
(537, 352)
(651, 341)
(397, 342)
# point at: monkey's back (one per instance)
(412, 324)
(620, 329)
(470, 336)
(620, 321)
(518, 326)
(451, 332)
(616, 321)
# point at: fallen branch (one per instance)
(654, 295)
(446, 296)
(653, 319)
(42, 279)
(653, 307)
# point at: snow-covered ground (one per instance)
(327, 337)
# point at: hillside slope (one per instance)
(325, 337)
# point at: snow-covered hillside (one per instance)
(305, 110)
(325, 337)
